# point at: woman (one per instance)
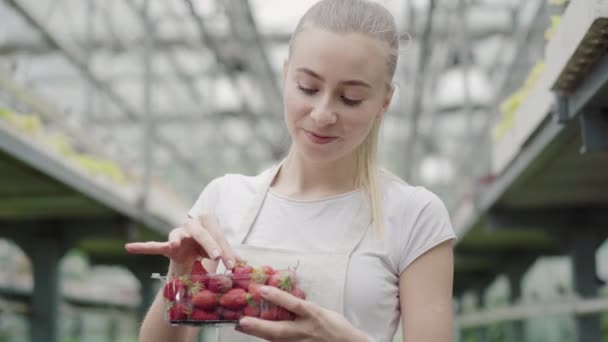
(371, 247)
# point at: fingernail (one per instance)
(230, 264)
(215, 254)
(243, 323)
(264, 291)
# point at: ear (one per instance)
(387, 100)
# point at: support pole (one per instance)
(582, 251)
(516, 330)
(45, 254)
(482, 331)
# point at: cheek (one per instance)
(360, 122)
(295, 106)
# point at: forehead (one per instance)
(341, 56)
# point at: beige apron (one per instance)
(321, 275)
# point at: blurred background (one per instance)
(115, 114)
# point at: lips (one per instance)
(319, 138)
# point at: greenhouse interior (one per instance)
(116, 114)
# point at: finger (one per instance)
(151, 247)
(290, 302)
(212, 225)
(176, 236)
(203, 238)
(268, 330)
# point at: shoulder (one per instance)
(400, 196)
(242, 183)
(229, 190)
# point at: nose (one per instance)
(323, 114)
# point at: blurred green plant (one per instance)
(509, 106)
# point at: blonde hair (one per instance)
(374, 21)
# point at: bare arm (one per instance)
(156, 328)
(425, 289)
(185, 244)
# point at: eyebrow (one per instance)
(319, 77)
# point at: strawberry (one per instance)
(219, 284)
(202, 315)
(241, 275)
(269, 312)
(235, 299)
(268, 270)
(198, 268)
(179, 312)
(242, 268)
(198, 277)
(176, 288)
(254, 290)
(205, 300)
(298, 293)
(283, 280)
(285, 315)
(232, 315)
(252, 310)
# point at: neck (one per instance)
(304, 180)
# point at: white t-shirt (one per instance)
(415, 220)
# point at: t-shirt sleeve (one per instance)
(431, 227)
(207, 200)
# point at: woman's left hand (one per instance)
(312, 323)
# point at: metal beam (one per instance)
(418, 88)
(245, 30)
(165, 43)
(179, 42)
(176, 118)
(548, 218)
(525, 311)
(181, 73)
(594, 126)
(81, 65)
(232, 70)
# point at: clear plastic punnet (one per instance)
(202, 298)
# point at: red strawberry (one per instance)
(242, 268)
(198, 276)
(269, 312)
(252, 310)
(219, 284)
(179, 312)
(232, 315)
(176, 287)
(254, 290)
(198, 268)
(259, 276)
(285, 315)
(268, 270)
(202, 315)
(283, 280)
(241, 275)
(205, 299)
(235, 299)
(298, 293)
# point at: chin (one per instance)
(322, 154)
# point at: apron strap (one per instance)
(256, 204)
(353, 236)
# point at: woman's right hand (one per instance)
(197, 237)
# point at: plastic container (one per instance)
(200, 298)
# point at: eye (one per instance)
(351, 103)
(309, 91)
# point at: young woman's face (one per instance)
(335, 89)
